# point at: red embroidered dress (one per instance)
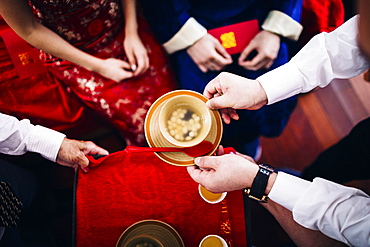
(96, 27)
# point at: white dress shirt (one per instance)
(18, 137)
(327, 57)
(339, 212)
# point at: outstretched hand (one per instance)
(229, 92)
(73, 153)
(226, 172)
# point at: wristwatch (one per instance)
(257, 190)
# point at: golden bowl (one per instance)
(184, 120)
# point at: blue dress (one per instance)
(166, 17)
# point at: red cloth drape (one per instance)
(27, 90)
(126, 188)
(320, 16)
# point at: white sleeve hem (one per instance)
(283, 25)
(188, 34)
(45, 141)
(284, 193)
(278, 87)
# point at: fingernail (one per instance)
(87, 169)
(196, 161)
(133, 67)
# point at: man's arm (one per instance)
(328, 56)
(340, 212)
(18, 137)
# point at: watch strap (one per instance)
(257, 190)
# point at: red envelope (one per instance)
(236, 37)
(24, 56)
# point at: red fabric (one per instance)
(37, 96)
(320, 16)
(97, 27)
(126, 188)
(25, 57)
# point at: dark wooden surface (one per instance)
(321, 118)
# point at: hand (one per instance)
(267, 45)
(224, 173)
(209, 54)
(229, 92)
(114, 69)
(73, 153)
(136, 53)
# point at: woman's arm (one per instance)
(19, 16)
(134, 48)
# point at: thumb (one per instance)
(222, 51)
(205, 163)
(217, 103)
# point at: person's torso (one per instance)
(82, 23)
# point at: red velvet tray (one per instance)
(125, 188)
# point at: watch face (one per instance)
(267, 167)
(265, 171)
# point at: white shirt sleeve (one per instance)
(340, 212)
(18, 137)
(328, 56)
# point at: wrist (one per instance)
(270, 183)
(131, 30)
(262, 93)
(95, 65)
(262, 183)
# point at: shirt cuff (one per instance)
(277, 86)
(188, 34)
(45, 141)
(288, 189)
(283, 25)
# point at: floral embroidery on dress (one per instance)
(97, 27)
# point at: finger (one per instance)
(207, 162)
(245, 53)
(124, 75)
(194, 173)
(246, 157)
(233, 114)
(131, 60)
(91, 148)
(142, 64)
(228, 114)
(210, 89)
(225, 116)
(126, 65)
(213, 67)
(82, 161)
(218, 62)
(220, 150)
(256, 59)
(222, 51)
(269, 64)
(217, 102)
(203, 68)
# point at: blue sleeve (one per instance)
(165, 17)
(292, 8)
